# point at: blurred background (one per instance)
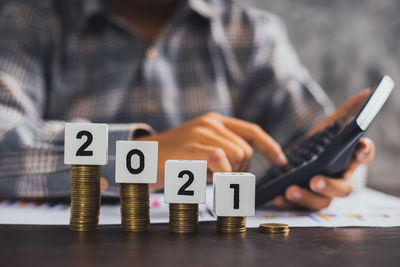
(347, 45)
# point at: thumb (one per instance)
(346, 110)
(352, 105)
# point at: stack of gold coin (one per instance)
(85, 198)
(231, 224)
(135, 207)
(183, 218)
(274, 228)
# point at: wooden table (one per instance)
(23, 245)
(57, 246)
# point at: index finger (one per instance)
(255, 136)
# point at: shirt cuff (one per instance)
(127, 131)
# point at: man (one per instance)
(166, 70)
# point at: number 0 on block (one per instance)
(234, 194)
(185, 181)
(86, 144)
(136, 162)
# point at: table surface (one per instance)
(110, 246)
(58, 246)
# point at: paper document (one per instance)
(365, 207)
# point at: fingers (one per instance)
(365, 150)
(306, 199)
(254, 135)
(282, 203)
(349, 108)
(331, 187)
(352, 105)
(227, 134)
(234, 152)
(324, 189)
(363, 154)
(217, 160)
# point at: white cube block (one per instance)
(86, 144)
(234, 194)
(136, 162)
(185, 181)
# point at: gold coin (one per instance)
(85, 197)
(183, 217)
(230, 224)
(135, 206)
(274, 228)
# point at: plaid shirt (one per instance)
(75, 60)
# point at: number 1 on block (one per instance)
(234, 194)
(86, 144)
(185, 181)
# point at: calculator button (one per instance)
(305, 150)
(324, 142)
(319, 149)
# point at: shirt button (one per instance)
(151, 53)
(151, 107)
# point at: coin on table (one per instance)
(274, 228)
(231, 224)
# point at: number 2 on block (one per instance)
(183, 190)
(89, 139)
(235, 188)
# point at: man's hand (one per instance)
(226, 143)
(324, 189)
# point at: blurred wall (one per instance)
(347, 45)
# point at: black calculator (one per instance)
(327, 152)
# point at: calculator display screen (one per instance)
(374, 103)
